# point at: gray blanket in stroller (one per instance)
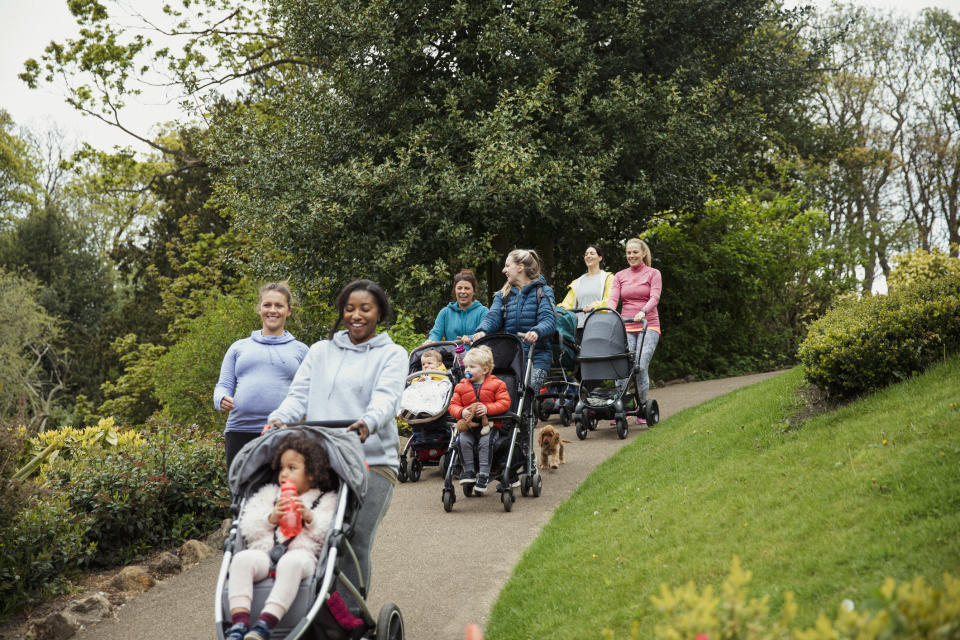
(343, 448)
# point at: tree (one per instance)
(440, 135)
(32, 368)
(75, 286)
(18, 171)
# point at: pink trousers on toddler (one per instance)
(252, 565)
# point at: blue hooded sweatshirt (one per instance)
(257, 372)
(524, 314)
(453, 322)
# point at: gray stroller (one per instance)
(308, 617)
(608, 388)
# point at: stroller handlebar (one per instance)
(333, 424)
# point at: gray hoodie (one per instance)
(339, 380)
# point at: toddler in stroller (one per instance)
(287, 581)
(512, 459)
(434, 369)
(478, 395)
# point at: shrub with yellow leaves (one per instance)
(906, 611)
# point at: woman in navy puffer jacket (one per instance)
(518, 309)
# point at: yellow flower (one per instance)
(884, 442)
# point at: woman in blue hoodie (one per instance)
(519, 308)
(356, 373)
(256, 371)
(460, 318)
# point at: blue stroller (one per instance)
(560, 390)
(608, 388)
(308, 617)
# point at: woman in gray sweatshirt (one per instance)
(356, 373)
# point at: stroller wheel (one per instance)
(525, 485)
(622, 428)
(536, 484)
(389, 623)
(444, 462)
(415, 468)
(467, 490)
(448, 500)
(581, 428)
(543, 411)
(507, 499)
(653, 412)
(402, 471)
(565, 417)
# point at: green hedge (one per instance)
(863, 345)
(108, 510)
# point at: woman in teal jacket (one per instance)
(460, 318)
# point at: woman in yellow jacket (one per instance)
(591, 290)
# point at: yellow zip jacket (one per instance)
(570, 299)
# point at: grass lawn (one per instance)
(826, 509)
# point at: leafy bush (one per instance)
(41, 541)
(740, 278)
(921, 266)
(864, 345)
(157, 493)
(45, 449)
(185, 375)
(906, 611)
(403, 332)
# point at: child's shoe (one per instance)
(641, 420)
(259, 631)
(481, 486)
(237, 631)
(485, 430)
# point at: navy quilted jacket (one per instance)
(524, 314)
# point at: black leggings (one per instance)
(233, 441)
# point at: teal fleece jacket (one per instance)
(339, 380)
(453, 322)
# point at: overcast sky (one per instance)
(27, 26)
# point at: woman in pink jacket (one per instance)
(638, 289)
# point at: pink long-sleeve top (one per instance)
(638, 288)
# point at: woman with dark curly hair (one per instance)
(356, 373)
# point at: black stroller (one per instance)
(514, 461)
(307, 616)
(608, 388)
(560, 390)
(432, 432)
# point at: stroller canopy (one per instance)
(603, 348)
(251, 466)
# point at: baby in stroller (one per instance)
(479, 394)
(434, 369)
(304, 463)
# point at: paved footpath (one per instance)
(421, 561)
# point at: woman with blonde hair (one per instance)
(524, 305)
(638, 289)
(257, 371)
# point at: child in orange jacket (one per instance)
(491, 397)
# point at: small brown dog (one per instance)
(551, 448)
(477, 421)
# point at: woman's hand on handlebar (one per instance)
(531, 336)
(361, 428)
(477, 335)
(640, 316)
(275, 423)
